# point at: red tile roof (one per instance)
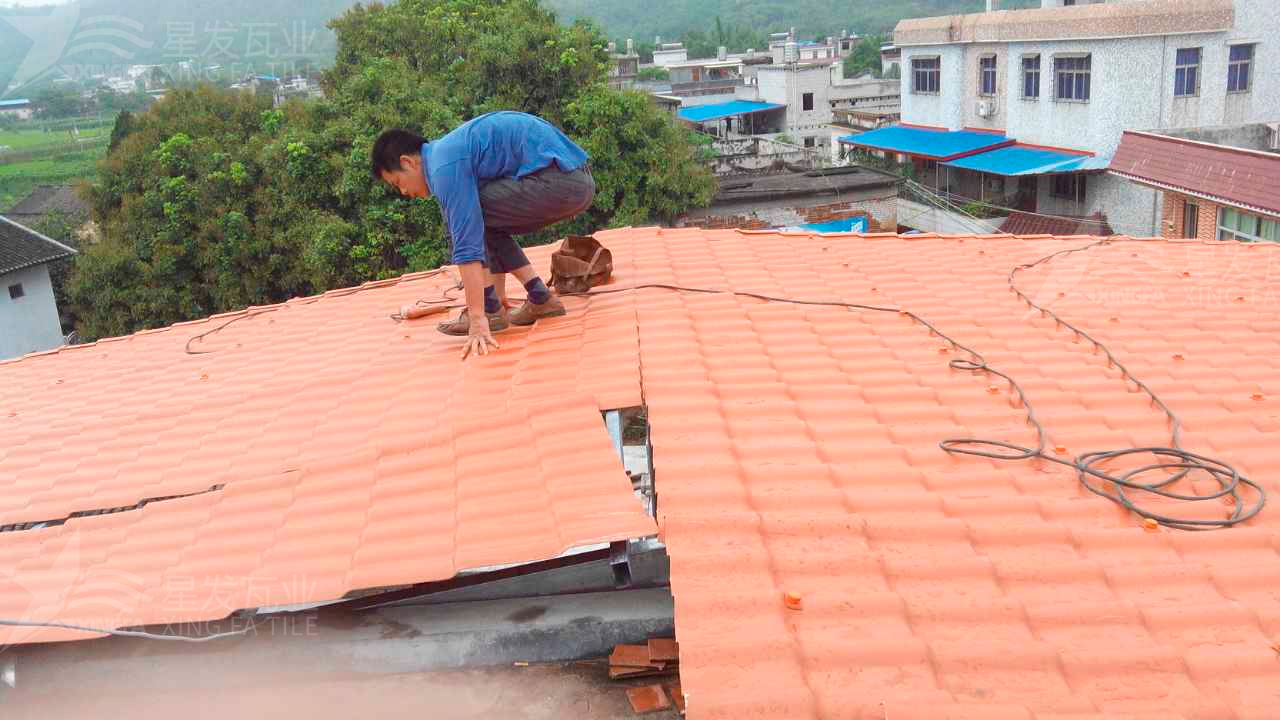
(1235, 176)
(1021, 223)
(796, 451)
(346, 451)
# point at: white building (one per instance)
(28, 312)
(1069, 78)
(666, 54)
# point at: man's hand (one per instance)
(479, 339)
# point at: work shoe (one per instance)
(461, 325)
(528, 313)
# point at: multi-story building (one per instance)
(1026, 107)
(623, 67)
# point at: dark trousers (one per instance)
(516, 207)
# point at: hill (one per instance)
(812, 18)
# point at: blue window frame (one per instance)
(1072, 77)
(987, 74)
(1031, 77)
(1186, 72)
(1239, 67)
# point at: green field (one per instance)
(17, 180)
(28, 139)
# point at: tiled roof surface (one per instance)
(348, 452)
(49, 198)
(1232, 175)
(796, 451)
(22, 247)
(1021, 223)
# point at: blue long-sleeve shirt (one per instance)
(495, 145)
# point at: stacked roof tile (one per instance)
(795, 452)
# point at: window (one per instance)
(807, 101)
(1236, 225)
(1190, 220)
(926, 75)
(16, 291)
(1239, 63)
(1068, 3)
(1069, 187)
(1072, 81)
(808, 142)
(1031, 77)
(1186, 73)
(987, 75)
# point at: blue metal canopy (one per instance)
(703, 113)
(1015, 160)
(927, 142)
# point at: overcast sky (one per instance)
(29, 3)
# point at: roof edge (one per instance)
(1195, 193)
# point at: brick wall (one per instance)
(1171, 220)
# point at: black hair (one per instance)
(388, 148)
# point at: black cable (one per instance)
(1087, 465)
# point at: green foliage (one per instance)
(654, 73)
(811, 18)
(865, 57)
(213, 200)
(734, 37)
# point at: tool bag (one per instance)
(580, 264)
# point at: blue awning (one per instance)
(703, 113)
(1016, 160)
(925, 142)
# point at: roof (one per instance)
(935, 143)
(14, 103)
(1023, 223)
(45, 199)
(795, 450)
(833, 181)
(1094, 20)
(1229, 175)
(1015, 160)
(21, 247)
(312, 449)
(715, 111)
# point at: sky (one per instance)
(31, 3)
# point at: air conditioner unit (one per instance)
(985, 108)
(1273, 136)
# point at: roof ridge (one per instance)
(40, 235)
(236, 314)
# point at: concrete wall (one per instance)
(788, 86)
(880, 203)
(1131, 85)
(927, 218)
(30, 323)
(944, 109)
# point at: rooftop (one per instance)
(828, 557)
(765, 187)
(45, 199)
(1104, 20)
(21, 247)
(1229, 175)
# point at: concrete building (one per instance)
(666, 54)
(28, 312)
(1065, 80)
(847, 199)
(624, 67)
(21, 109)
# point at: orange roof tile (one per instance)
(323, 448)
(796, 455)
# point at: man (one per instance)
(498, 175)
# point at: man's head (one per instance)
(397, 161)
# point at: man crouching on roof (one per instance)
(498, 175)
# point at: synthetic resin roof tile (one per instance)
(1236, 176)
(322, 447)
(928, 142)
(796, 451)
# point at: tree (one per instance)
(213, 200)
(865, 57)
